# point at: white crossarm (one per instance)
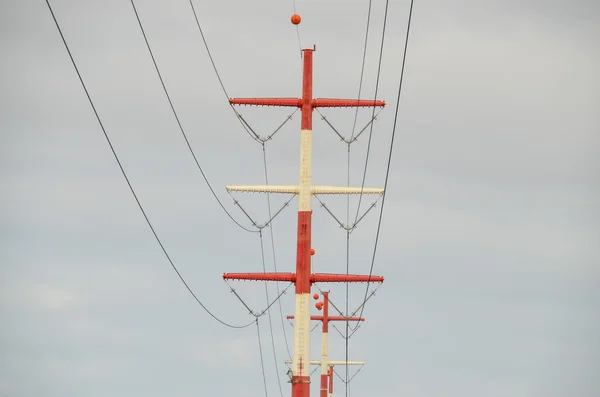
(345, 190)
(294, 189)
(291, 189)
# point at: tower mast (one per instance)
(324, 363)
(303, 278)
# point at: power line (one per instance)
(362, 68)
(256, 137)
(262, 361)
(366, 163)
(373, 115)
(253, 136)
(179, 123)
(390, 152)
(273, 250)
(127, 179)
(262, 253)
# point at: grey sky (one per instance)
(489, 242)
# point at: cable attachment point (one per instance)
(257, 137)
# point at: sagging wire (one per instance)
(250, 311)
(387, 173)
(352, 138)
(262, 361)
(217, 73)
(269, 137)
(254, 223)
(262, 253)
(349, 229)
(353, 376)
(179, 122)
(127, 178)
(272, 233)
(354, 313)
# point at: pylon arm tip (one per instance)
(289, 277)
(344, 278)
(317, 362)
(345, 190)
(286, 102)
(290, 189)
(345, 103)
(332, 318)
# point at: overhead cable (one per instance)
(129, 183)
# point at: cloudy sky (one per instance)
(489, 242)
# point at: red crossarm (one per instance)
(314, 278)
(345, 103)
(290, 277)
(332, 318)
(343, 278)
(288, 102)
(315, 103)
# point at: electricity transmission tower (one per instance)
(303, 278)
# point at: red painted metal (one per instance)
(325, 322)
(323, 385)
(326, 312)
(303, 278)
(343, 278)
(332, 318)
(307, 98)
(345, 103)
(286, 102)
(289, 277)
(313, 103)
(331, 379)
(307, 281)
(326, 318)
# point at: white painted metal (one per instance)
(318, 362)
(345, 190)
(305, 188)
(295, 189)
(302, 344)
(324, 362)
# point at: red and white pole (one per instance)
(301, 355)
(303, 278)
(324, 348)
(330, 381)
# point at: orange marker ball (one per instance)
(312, 251)
(316, 296)
(319, 305)
(296, 19)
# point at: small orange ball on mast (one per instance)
(296, 19)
